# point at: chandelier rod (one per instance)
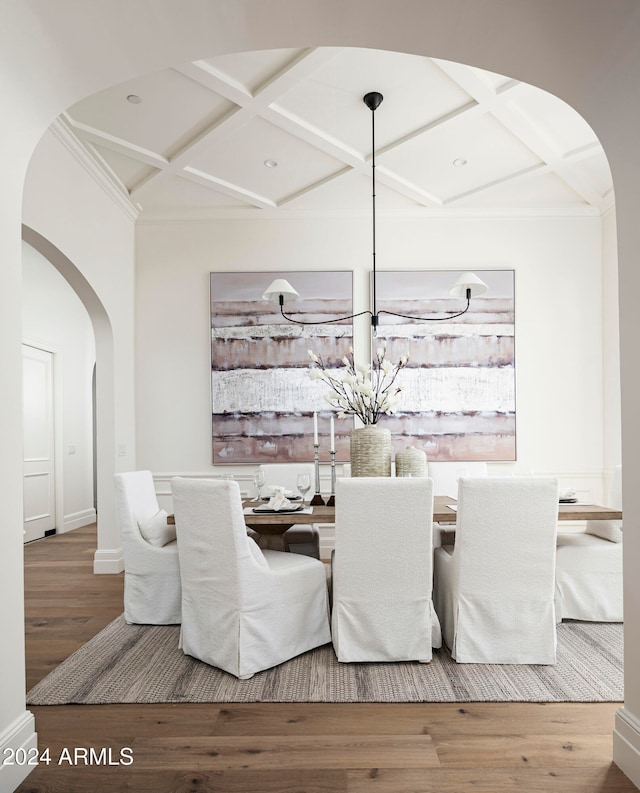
(372, 101)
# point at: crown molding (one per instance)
(65, 135)
(202, 215)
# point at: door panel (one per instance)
(39, 474)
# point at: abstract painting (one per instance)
(458, 389)
(261, 396)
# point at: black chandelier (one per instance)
(467, 286)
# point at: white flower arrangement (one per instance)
(361, 390)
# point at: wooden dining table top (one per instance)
(325, 514)
(278, 522)
(442, 513)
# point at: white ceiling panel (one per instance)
(534, 191)
(240, 160)
(178, 193)
(556, 122)
(491, 152)
(251, 70)
(173, 110)
(596, 167)
(416, 93)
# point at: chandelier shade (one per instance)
(280, 288)
(470, 282)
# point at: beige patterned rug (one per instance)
(142, 664)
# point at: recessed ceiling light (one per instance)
(134, 99)
(271, 163)
(460, 162)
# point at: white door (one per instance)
(39, 478)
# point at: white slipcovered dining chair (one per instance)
(494, 590)
(152, 591)
(300, 538)
(589, 567)
(243, 609)
(382, 570)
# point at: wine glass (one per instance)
(258, 481)
(304, 484)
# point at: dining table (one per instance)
(272, 525)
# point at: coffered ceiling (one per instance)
(286, 131)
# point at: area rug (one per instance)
(142, 664)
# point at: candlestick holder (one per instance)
(332, 498)
(317, 498)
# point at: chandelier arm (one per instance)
(324, 321)
(428, 319)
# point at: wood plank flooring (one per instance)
(288, 748)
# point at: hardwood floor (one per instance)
(271, 748)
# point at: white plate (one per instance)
(268, 491)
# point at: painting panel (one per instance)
(261, 396)
(458, 389)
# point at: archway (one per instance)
(585, 52)
(106, 559)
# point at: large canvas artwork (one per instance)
(262, 398)
(458, 397)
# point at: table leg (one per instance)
(270, 540)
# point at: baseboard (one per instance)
(108, 562)
(18, 743)
(78, 519)
(626, 745)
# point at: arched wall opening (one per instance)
(112, 548)
(586, 53)
(178, 426)
(104, 389)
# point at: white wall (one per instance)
(16, 723)
(559, 391)
(54, 318)
(65, 204)
(91, 240)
